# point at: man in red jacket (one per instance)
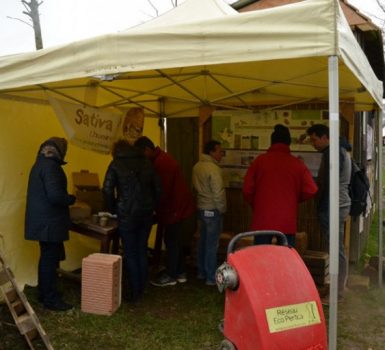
(175, 205)
(274, 185)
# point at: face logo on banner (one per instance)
(90, 128)
(133, 124)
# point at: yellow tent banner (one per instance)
(89, 128)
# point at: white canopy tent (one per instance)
(204, 61)
(202, 53)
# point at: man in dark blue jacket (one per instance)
(47, 217)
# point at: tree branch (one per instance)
(26, 5)
(381, 5)
(154, 7)
(18, 19)
(27, 14)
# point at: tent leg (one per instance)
(333, 197)
(380, 207)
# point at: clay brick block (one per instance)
(101, 283)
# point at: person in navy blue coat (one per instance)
(47, 218)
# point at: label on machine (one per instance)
(292, 316)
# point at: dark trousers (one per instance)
(325, 235)
(50, 255)
(175, 256)
(134, 235)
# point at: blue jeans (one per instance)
(325, 235)
(134, 235)
(172, 241)
(210, 229)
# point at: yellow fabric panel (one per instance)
(21, 134)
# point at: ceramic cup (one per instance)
(103, 221)
(95, 218)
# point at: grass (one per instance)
(182, 317)
(174, 318)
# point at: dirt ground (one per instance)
(361, 319)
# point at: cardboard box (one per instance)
(79, 211)
(87, 189)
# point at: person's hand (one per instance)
(72, 199)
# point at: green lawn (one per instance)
(182, 317)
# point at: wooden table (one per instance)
(105, 234)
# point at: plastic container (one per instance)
(274, 303)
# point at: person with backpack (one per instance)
(319, 137)
(131, 190)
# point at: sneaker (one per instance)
(182, 278)
(163, 281)
(210, 283)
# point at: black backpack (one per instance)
(359, 190)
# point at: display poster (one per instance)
(245, 134)
(311, 159)
(235, 164)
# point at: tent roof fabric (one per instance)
(271, 56)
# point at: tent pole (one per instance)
(333, 197)
(380, 194)
(162, 124)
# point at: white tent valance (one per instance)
(272, 56)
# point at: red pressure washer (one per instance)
(271, 299)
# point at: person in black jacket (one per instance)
(131, 190)
(47, 217)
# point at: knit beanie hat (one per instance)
(281, 134)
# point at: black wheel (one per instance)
(227, 345)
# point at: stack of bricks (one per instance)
(101, 283)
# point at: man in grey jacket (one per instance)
(319, 137)
(211, 201)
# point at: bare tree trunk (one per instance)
(32, 10)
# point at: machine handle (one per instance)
(281, 238)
